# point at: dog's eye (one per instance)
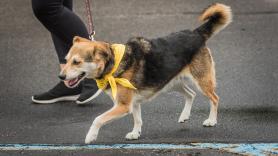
(75, 62)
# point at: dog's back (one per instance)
(169, 55)
(163, 58)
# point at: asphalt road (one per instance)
(246, 66)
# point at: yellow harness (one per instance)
(119, 50)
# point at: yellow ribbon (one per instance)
(119, 50)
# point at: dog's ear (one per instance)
(101, 49)
(106, 50)
(79, 39)
(108, 55)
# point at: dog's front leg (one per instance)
(136, 132)
(119, 110)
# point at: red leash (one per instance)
(91, 27)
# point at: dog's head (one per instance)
(86, 59)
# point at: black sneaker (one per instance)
(59, 93)
(89, 91)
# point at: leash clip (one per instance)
(91, 36)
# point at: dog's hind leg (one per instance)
(203, 72)
(209, 90)
(189, 95)
(207, 85)
(136, 132)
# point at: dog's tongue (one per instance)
(73, 81)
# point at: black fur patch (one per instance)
(109, 63)
(206, 29)
(166, 57)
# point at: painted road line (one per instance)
(258, 149)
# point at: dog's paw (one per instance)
(90, 138)
(209, 123)
(132, 135)
(183, 119)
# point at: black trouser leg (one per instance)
(58, 18)
(63, 24)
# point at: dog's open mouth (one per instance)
(75, 81)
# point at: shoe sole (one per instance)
(89, 99)
(64, 98)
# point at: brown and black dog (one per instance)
(152, 66)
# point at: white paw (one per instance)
(183, 119)
(132, 135)
(90, 138)
(209, 123)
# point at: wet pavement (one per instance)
(246, 67)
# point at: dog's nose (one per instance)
(62, 77)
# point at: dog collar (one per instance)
(109, 79)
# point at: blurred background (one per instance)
(246, 67)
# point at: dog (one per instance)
(152, 66)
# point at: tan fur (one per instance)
(122, 105)
(83, 48)
(224, 10)
(115, 112)
(203, 72)
(125, 95)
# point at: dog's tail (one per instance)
(216, 18)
